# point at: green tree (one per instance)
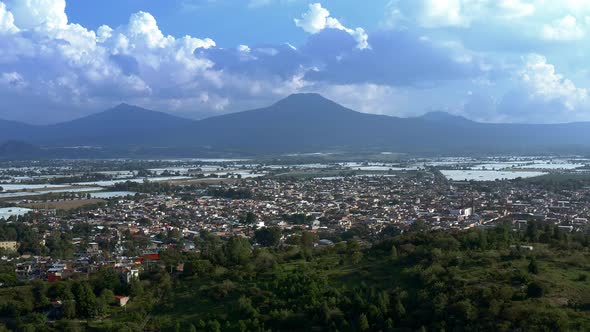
(363, 323)
(237, 250)
(533, 266)
(39, 294)
(135, 288)
(268, 236)
(535, 289)
(464, 310)
(85, 300)
(393, 252)
(353, 251)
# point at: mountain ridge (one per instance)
(300, 123)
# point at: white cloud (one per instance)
(12, 80)
(564, 29)
(511, 9)
(443, 13)
(369, 98)
(458, 13)
(318, 18)
(61, 63)
(244, 48)
(39, 14)
(6, 20)
(546, 85)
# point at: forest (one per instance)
(477, 280)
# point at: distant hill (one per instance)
(446, 118)
(20, 150)
(123, 124)
(12, 130)
(298, 123)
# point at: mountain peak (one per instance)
(127, 107)
(441, 116)
(304, 99)
(309, 103)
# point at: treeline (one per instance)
(66, 303)
(475, 280)
(231, 193)
(478, 280)
(559, 181)
(151, 187)
(88, 177)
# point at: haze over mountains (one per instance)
(298, 123)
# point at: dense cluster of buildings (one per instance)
(128, 234)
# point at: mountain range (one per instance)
(298, 123)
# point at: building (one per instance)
(121, 301)
(9, 245)
(131, 274)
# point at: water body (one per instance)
(136, 180)
(477, 175)
(112, 194)
(50, 191)
(6, 213)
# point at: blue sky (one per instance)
(489, 60)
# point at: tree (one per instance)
(107, 296)
(353, 251)
(363, 323)
(237, 250)
(268, 236)
(135, 288)
(464, 310)
(307, 240)
(265, 260)
(532, 233)
(106, 278)
(85, 300)
(535, 289)
(189, 269)
(214, 326)
(39, 294)
(389, 324)
(68, 303)
(533, 266)
(393, 252)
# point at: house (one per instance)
(92, 247)
(121, 301)
(9, 245)
(131, 274)
(55, 274)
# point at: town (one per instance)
(128, 232)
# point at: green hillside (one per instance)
(468, 281)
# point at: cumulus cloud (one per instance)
(318, 18)
(564, 29)
(48, 64)
(398, 58)
(39, 14)
(549, 86)
(6, 20)
(64, 63)
(540, 94)
(12, 80)
(459, 13)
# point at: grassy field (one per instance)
(63, 205)
(206, 181)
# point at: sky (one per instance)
(521, 61)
